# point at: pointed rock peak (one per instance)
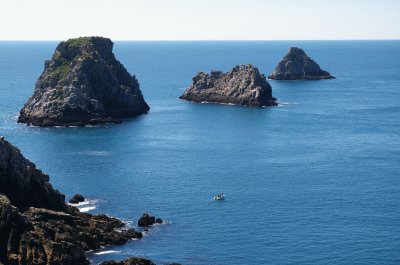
(296, 65)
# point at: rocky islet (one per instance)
(297, 65)
(83, 84)
(243, 85)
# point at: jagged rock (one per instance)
(83, 84)
(296, 65)
(129, 261)
(53, 234)
(147, 220)
(25, 185)
(243, 85)
(77, 198)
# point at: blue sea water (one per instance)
(315, 180)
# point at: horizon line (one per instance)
(198, 40)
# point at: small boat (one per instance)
(219, 197)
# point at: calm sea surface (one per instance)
(315, 180)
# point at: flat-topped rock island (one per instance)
(83, 84)
(243, 85)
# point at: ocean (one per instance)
(315, 180)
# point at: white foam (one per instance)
(106, 252)
(87, 209)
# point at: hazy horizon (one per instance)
(207, 20)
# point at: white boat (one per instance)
(219, 197)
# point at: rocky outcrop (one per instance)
(147, 220)
(77, 198)
(83, 84)
(243, 85)
(133, 261)
(296, 65)
(43, 230)
(130, 261)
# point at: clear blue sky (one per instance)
(200, 19)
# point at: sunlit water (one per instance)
(315, 180)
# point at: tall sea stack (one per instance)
(83, 84)
(296, 65)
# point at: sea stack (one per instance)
(296, 65)
(243, 85)
(83, 84)
(38, 227)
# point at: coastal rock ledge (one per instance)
(243, 85)
(296, 65)
(83, 84)
(37, 227)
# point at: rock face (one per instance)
(77, 199)
(83, 84)
(147, 220)
(296, 65)
(25, 185)
(43, 230)
(243, 85)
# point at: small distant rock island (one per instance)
(83, 84)
(37, 227)
(296, 65)
(243, 85)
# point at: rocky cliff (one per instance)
(37, 227)
(83, 84)
(296, 65)
(243, 85)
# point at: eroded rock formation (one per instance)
(296, 65)
(83, 84)
(243, 85)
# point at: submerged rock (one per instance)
(296, 65)
(77, 199)
(43, 229)
(83, 84)
(243, 85)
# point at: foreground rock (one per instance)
(296, 65)
(77, 199)
(147, 220)
(43, 230)
(83, 84)
(243, 85)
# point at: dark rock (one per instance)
(296, 65)
(25, 185)
(243, 85)
(77, 199)
(83, 84)
(147, 220)
(53, 234)
(130, 261)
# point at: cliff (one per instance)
(37, 227)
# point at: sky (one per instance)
(200, 19)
